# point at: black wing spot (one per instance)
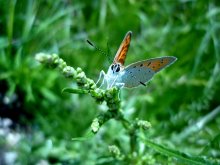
(139, 70)
(141, 65)
(162, 61)
(142, 83)
(149, 71)
(148, 63)
(130, 72)
(134, 66)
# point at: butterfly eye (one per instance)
(112, 67)
(118, 68)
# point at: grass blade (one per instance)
(176, 154)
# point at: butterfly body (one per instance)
(137, 73)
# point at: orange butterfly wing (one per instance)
(123, 49)
(159, 63)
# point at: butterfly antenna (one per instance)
(108, 53)
(98, 49)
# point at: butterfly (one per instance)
(135, 74)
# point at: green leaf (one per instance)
(178, 155)
(75, 91)
(88, 135)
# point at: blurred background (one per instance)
(37, 121)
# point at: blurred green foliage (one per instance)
(182, 102)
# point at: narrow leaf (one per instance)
(75, 91)
(88, 135)
(178, 155)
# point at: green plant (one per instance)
(112, 99)
(181, 103)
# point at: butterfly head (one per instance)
(115, 68)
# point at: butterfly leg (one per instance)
(120, 85)
(117, 84)
(102, 73)
(112, 83)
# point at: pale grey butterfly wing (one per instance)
(141, 72)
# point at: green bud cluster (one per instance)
(114, 150)
(86, 85)
(55, 61)
(111, 96)
(143, 124)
